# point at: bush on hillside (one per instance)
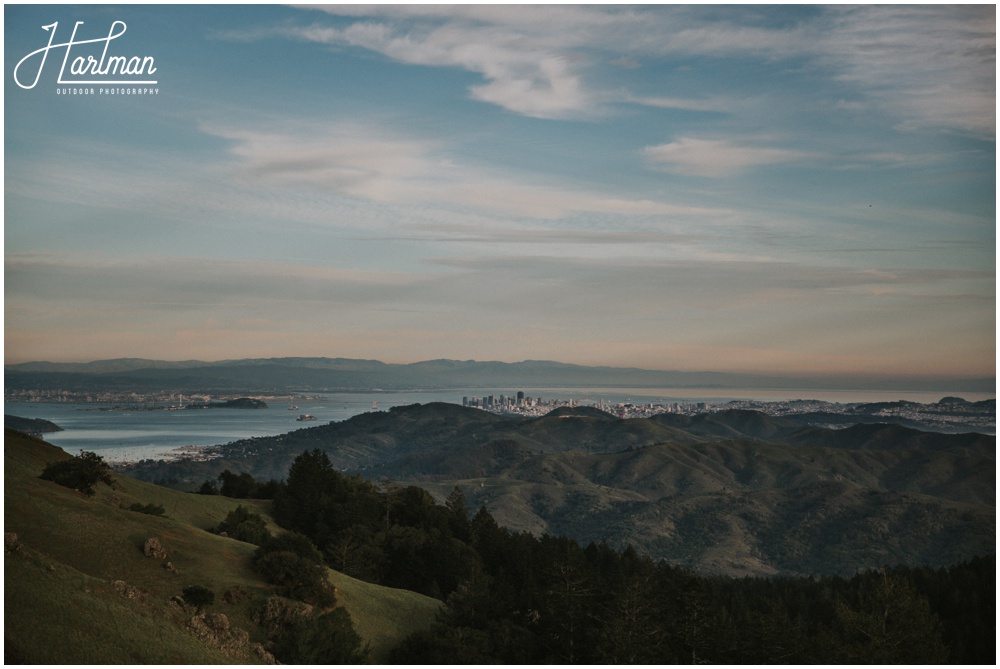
(293, 562)
(81, 472)
(243, 524)
(198, 596)
(329, 638)
(149, 509)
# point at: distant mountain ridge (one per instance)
(319, 373)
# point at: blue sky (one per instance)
(794, 190)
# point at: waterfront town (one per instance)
(949, 414)
(536, 406)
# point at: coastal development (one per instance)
(950, 414)
(521, 405)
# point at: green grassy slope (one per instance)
(61, 601)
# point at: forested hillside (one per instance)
(735, 492)
(333, 567)
(513, 597)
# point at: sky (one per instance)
(785, 190)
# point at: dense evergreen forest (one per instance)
(516, 598)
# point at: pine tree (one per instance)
(890, 624)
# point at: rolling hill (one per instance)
(80, 590)
(736, 492)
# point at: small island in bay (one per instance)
(241, 403)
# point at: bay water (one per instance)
(130, 435)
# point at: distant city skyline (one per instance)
(788, 190)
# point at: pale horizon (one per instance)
(773, 190)
(831, 381)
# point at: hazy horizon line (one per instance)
(798, 376)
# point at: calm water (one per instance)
(134, 435)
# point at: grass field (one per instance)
(61, 602)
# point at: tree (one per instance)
(208, 488)
(631, 632)
(356, 552)
(442, 644)
(329, 638)
(459, 519)
(308, 495)
(81, 472)
(237, 486)
(890, 624)
(568, 603)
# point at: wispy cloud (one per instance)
(927, 65)
(520, 74)
(798, 183)
(366, 162)
(686, 104)
(717, 158)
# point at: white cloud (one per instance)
(535, 59)
(368, 163)
(925, 65)
(522, 74)
(687, 104)
(716, 158)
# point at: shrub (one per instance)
(293, 542)
(299, 578)
(198, 596)
(81, 472)
(149, 509)
(293, 562)
(329, 638)
(245, 525)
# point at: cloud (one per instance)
(626, 63)
(686, 104)
(367, 162)
(533, 286)
(521, 235)
(925, 65)
(716, 158)
(522, 75)
(229, 289)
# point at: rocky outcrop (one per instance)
(129, 592)
(276, 615)
(215, 630)
(153, 548)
